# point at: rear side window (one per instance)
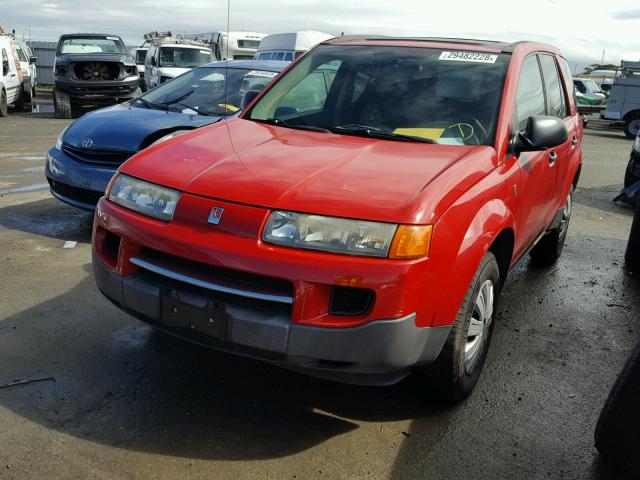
(530, 96)
(288, 56)
(264, 56)
(555, 94)
(580, 86)
(21, 55)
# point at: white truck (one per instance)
(170, 56)
(10, 74)
(624, 101)
(234, 45)
(289, 46)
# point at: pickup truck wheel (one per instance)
(4, 111)
(617, 433)
(456, 371)
(62, 105)
(632, 126)
(549, 248)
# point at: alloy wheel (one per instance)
(479, 326)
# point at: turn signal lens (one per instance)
(411, 241)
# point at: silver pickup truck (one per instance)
(624, 102)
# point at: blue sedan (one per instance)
(90, 150)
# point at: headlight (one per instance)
(636, 146)
(352, 237)
(144, 197)
(61, 138)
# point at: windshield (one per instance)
(184, 57)
(435, 95)
(140, 56)
(207, 90)
(92, 46)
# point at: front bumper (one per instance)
(377, 353)
(98, 90)
(232, 292)
(76, 183)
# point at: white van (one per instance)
(169, 57)
(289, 46)
(10, 74)
(139, 54)
(29, 73)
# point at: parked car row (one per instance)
(355, 219)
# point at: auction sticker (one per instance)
(469, 57)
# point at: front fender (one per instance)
(461, 238)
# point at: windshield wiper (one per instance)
(282, 123)
(373, 132)
(198, 111)
(151, 105)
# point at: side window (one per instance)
(264, 56)
(5, 63)
(530, 96)
(580, 86)
(555, 95)
(311, 93)
(21, 55)
(280, 56)
(288, 57)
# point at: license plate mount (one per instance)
(188, 311)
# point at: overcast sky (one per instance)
(581, 29)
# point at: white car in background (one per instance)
(29, 72)
(10, 75)
(171, 57)
(139, 54)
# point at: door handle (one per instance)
(13, 74)
(553, 157)
(574, 141)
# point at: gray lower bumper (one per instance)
(378, 353)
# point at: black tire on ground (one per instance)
(62, 105)
(549, 248)
(632, 125)
(617, 433)
(19, 104)
(4, 110)
(33, 92)
(27, 97)
(453, 376)
(629, 177)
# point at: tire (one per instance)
(549, 248)
(617, 433)
(62, 105)
(632, 126)
(4, 109)
(19, 103)
(33, 92)
(629, 177)
(27, 97)
(456, 371)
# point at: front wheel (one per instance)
(632, 126)
(456, 371)
(549, 248)
(4, 110)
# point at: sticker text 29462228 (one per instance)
(469, 57)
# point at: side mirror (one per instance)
(542, 132)
(248, 97)
(32, 59)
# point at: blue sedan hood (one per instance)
(124, 128)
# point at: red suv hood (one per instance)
(281, 168)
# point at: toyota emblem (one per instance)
(87, 143)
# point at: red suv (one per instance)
(358, 221)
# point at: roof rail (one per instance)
(348, 38)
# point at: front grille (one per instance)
(74, 193)
(233, 282)
(97, 71)
(97, 157)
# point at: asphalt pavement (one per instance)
(88, 392)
